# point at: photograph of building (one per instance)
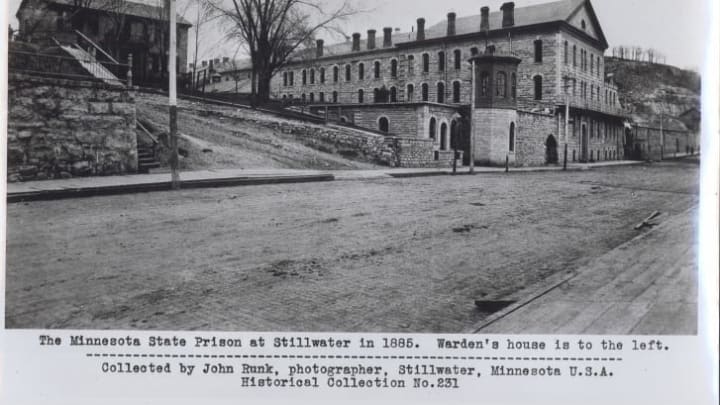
(436, 179)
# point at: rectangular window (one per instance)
(441, 61)
(538, 51)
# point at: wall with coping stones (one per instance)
(393, 151)
(64, 128)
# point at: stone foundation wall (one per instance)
(65, 128)
(533, 132)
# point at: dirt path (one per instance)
(384, 255)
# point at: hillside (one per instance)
(652, 89)
(217, 137)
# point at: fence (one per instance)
(81, 67)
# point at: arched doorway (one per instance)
(551, 152)
(384, 125)
(443, 136)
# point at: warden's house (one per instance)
(106, 29)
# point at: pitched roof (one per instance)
(558, 11)
(122, 6)
(524, 16)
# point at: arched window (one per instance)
(361, 96)
(538, 51)
(441, 92)
(538, 87)
(312, 97)
(285, 79)
(433, 129)
(441, 61)
(383, 125)
(583, 24)
(426, 62)
(474, 50)
(457, 55)
(361, 71)
(410, 93)
(501, 85)
(443, 136)
(410, 65)
(335, 97)
(484, 83)
(348, 73)
(377, 70)
(511, 146)
(322, 75)
(312, 76)
(304, 77)
(376, 95)
(336, 74)
(456, 92)
(393, 95)
(574, 55)
(513, 86)
(393, 68)
(425, 92)
(322, 97)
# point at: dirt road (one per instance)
(402, 255)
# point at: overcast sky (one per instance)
(676, 28)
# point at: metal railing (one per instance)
(63, 66)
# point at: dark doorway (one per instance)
(584, 145)
(384, 125)
(551, 152)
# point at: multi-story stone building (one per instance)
(539, 84)
(119, 27)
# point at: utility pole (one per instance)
(472, 108)
(172, 92)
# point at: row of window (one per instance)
(595, 65)
(391, 95)
(602, 130)
(501, 84)
(594, 94)
(595, 156)
(309, 76)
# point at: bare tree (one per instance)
(274, 30)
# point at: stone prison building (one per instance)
(539, 85)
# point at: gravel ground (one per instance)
(391, 255)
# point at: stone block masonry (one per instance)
(65, 128)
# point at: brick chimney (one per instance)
(320, 48)
(420, 29)
(451, 24)
(485, 19)
(387, 37)
(508, 10)
(371, 39)
(356, 42)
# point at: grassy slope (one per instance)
(225, 139)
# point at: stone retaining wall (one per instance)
(365, 146)
(64, 128)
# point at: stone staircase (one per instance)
(146, 149)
